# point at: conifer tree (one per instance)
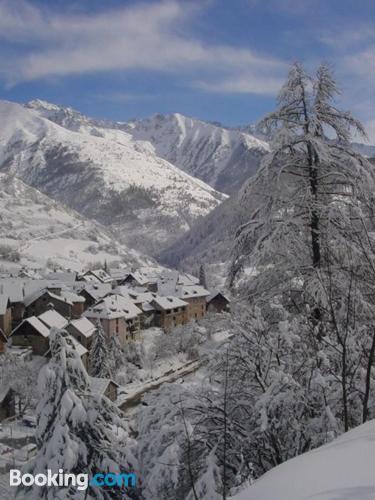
(100, 355)
(202, 276)
(77, 431)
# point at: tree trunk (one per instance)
(368, 379)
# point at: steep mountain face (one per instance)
(223, 158)
(36, 231)
(210, 240)
(102, 172)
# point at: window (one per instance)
(117, 325)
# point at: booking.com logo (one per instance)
(79, 481)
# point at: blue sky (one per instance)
(220, 60)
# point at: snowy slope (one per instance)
(101, 172)
(35, 229)
(364, 149)
(221, 157)
(341, 470)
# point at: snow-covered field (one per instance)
(341, 470)
(36, 229)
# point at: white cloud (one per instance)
(248, 84)
(362, 62)
(145, 36)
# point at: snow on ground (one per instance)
(35, 228)
(341, 470)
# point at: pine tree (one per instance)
(310, 241)
(100, 355)
(116, 355)
(310, 191)
(77, 431)
(202, 276)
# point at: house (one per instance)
(135, 278)
(217, 302)
(195, 296)
(118, 316)
(14, 288)
(42, 300)
(5, 314)
(3, 342)
(77, 301)
(118, 275)
(104, 387)
(93, 292)
(142, 299)
(82, 330)
(96, 276)
(34, 332)
(169, 312)
(7, 403)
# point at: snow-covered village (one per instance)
(187, 250)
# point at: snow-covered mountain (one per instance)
(223, 158)
(210, 240)
(36, 230)
(364, 149)
(102, 172)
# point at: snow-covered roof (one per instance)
(33, 321)
(118, 274)
(4, 391)
(63, 276)
(72, 297)
(19, 288)
(81, 350)
(99, 274)
(139, 277)
(170, 302)
(39, 293)
(99, 385)
(52, 318)
(83, 326)
(112, 307)
(187, 279)
(125, 292)
(340, 470)
(188, 292)
(13, 288)
(142, 297)
(215, 293)
(98, 290)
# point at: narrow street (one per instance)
(132, 399)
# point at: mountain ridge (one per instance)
(103, 173)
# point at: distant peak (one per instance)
(40, 104)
